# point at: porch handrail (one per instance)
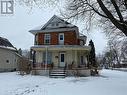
(42, 65)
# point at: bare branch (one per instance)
(117, 10)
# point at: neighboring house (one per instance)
(8, 56)
(59, 44)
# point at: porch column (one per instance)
(39, 57)
(75, 57)
(46, 57)
(34, 56)
(85, 60)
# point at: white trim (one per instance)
(58, 18)
(48, 22)
(74, 29)
(61, 42)
(55, 29)
(61, 64)
(61, 47)
(60, 35)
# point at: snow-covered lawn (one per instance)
(120, 69)
(110, 82)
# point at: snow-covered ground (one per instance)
(110, 82)
(120, 69)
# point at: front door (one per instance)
(62, 59)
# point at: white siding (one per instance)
(8, 60)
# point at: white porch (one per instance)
(60, 56)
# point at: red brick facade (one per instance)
(40, 38)
(70, 38)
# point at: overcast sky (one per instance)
(15, 27)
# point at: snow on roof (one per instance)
(4, 43)
(9, 48)
(54, 23)
(37, 28)
(56, 19)
(81, 34)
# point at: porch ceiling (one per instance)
(60, 47)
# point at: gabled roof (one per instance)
(55, 24)
(55, 19)
(5, 42)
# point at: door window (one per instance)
(62, 57)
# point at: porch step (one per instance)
(57, 73)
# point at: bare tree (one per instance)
(108, 58)
(26, 53)
(38, 3)
(24, 66)
(115, 48)
(112, 13)
(116, 51)
(124, 49)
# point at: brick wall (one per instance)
(40, 38)
(69, 38)
(54, 38)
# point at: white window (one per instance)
(47, 38)
(61, 38)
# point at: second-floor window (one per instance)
(47, 38)
(61, 38)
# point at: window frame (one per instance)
(61, 34)
(47, 37)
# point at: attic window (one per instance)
(55, 24)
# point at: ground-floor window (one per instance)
(49, 57)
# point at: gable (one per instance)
(56, 22)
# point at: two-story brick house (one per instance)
(59, 43)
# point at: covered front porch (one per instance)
(58, 56)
